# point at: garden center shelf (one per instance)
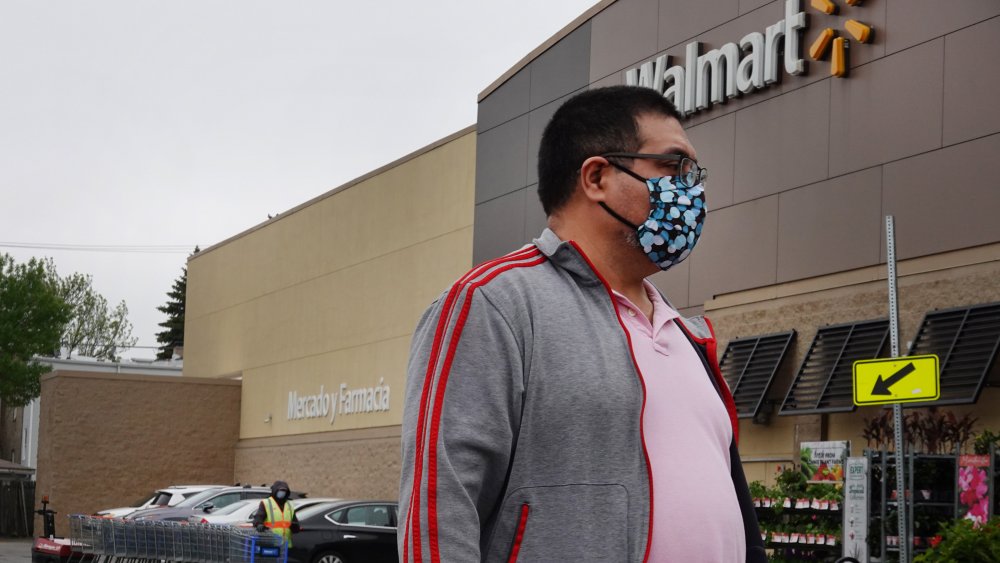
(930, 483)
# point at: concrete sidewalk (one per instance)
(15, 550)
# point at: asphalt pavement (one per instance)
(15, 550)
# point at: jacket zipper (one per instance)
(519, 536)
(642, 382)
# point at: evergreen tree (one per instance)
(174, 310)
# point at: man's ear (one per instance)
(595, 172)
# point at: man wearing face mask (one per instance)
(558, 408)
(277, 514)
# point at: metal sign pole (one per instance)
(897, 409)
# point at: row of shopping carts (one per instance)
(107, 540)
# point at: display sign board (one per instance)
(823, 462)
(974, 488)
(856, 509)
(908, 379)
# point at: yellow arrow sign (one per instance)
(909, 379)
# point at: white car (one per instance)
(169, 496)
(241, 512)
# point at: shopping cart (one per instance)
(107, 540)
(246, 545)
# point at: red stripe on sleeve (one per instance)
(432, 525)
(443, 321)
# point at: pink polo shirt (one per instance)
(696, 516)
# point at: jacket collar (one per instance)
(566, 256)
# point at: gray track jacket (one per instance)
(522, 428)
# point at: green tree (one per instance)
(173, 335)
(94, 329)
(32, 315)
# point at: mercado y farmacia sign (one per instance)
(344, 401)
(752, 64)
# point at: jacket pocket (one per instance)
(522, 523)
(578, 522)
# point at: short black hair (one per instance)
(589, 124)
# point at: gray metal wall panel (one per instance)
(563, 68)
(738, 250)
(614, 79)
(751, 5)
(945, 199)
(916, 21)
(888, 109)
(608, 52)
(499, 226)
(714, 142)
(508, 101)
(681, 20)
(972, 82)
(783, 142)
(501, 159)
(831, 226)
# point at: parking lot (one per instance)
(15, 550)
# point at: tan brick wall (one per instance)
(356, 464)
(806, 312)
(106, 440)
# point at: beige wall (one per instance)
(328, 294)
(966, 277)
(106, 440)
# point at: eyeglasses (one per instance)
(688, 175)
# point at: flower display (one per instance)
(973, 493)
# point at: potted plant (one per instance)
(964, 541)
(983, 440)
(757, 491)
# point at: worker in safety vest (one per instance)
(276, 513)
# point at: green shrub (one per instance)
(962, 541)
(981, 445)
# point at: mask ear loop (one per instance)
(623, 220)
(617, 216)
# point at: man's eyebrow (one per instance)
(677, 150)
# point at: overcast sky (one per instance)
(176, 123)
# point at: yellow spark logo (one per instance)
(862, 33)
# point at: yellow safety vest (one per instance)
(278, 520)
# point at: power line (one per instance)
(119, 345)
(127, 248)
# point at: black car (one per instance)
(346, 532)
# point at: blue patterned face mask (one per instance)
(675, 221)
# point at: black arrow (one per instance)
(882, 386)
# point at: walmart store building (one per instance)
(315, 314)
